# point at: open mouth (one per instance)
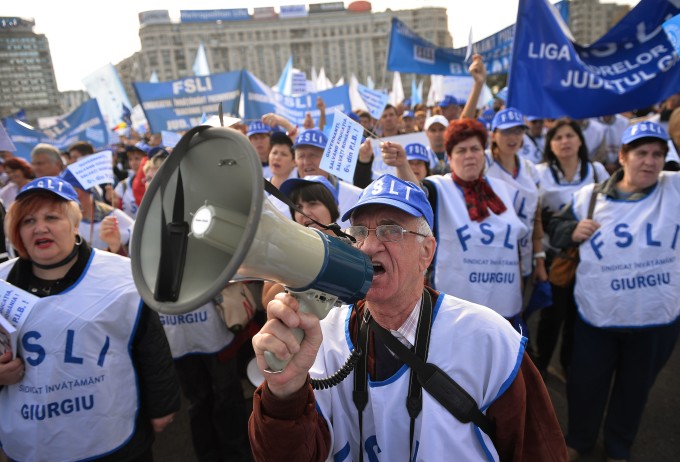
(42, 243)
(378, 269)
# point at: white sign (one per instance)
(93, 170)
(342, 150)
(15, 307)
(170, 139)
(375, 100)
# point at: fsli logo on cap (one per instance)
(507, 118)
(416, 151)
(313, 137)
(258, 127)
(392, 191)
(52, 184)
(644, 130)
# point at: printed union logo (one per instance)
(423, 54)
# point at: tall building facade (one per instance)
(341, 41)
(589, 19)
(27, 80)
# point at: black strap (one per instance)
(274, 191)
(414, 400)
(174, 235)
(360, 394)
(593, 199)
(438, 384)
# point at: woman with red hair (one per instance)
(20, 173)
(476, 226)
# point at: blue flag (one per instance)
(85, 123)
(672, 29)
(409, 52)
(633, 66)
(179, 104)
(259, 99)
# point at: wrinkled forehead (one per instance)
(379, 214)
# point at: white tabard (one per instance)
(79, 397)
(199, 331)
(555, 195)
(475, 261)
(525, 203)
(629, 274)
(458, 330)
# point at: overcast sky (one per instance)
(84, 35)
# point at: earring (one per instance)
(79, 239)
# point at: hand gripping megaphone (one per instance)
(205, 221)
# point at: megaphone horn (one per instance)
(213, 180)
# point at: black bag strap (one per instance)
(438, 384)
(593, 198)
(360, 394)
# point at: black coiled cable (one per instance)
(340, 375)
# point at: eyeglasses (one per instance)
(384, 233)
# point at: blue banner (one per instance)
(633, 66)
(85, 123)
(236, 14)
(179, 105)
(259, 99)
(408, 52)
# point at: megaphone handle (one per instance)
(310, 301)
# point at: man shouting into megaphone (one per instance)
(462, 388)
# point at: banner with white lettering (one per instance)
(409, 52)
(375, 100)
(342, 150)
(94, 170)
(672, 29)
(179, 105)
(85, 123)
(259, 99)
(633, 66)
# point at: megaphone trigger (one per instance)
(310, 301)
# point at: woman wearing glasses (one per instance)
(476, 226)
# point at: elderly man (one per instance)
(474, 346)
(309, 147)
(46, 160)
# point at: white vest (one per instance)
(127, 196)
(629, 274)
(532, 149)
(79, 397)
(556, 195)
(525, 203)
(458, 330)
(199, 331)
(348, 195)
(475, 261)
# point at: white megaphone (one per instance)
(204, 221)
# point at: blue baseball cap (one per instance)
(449, 100)
(290, 184)
(69, 178)
(417, 151)
(157, 150)
(258, 127)
(644, 130)
(392, 191)
(353, 115)
(507, 118)
(534, 118)
(312, 137)
(52, 184)
(488, 115)
(407, 114)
